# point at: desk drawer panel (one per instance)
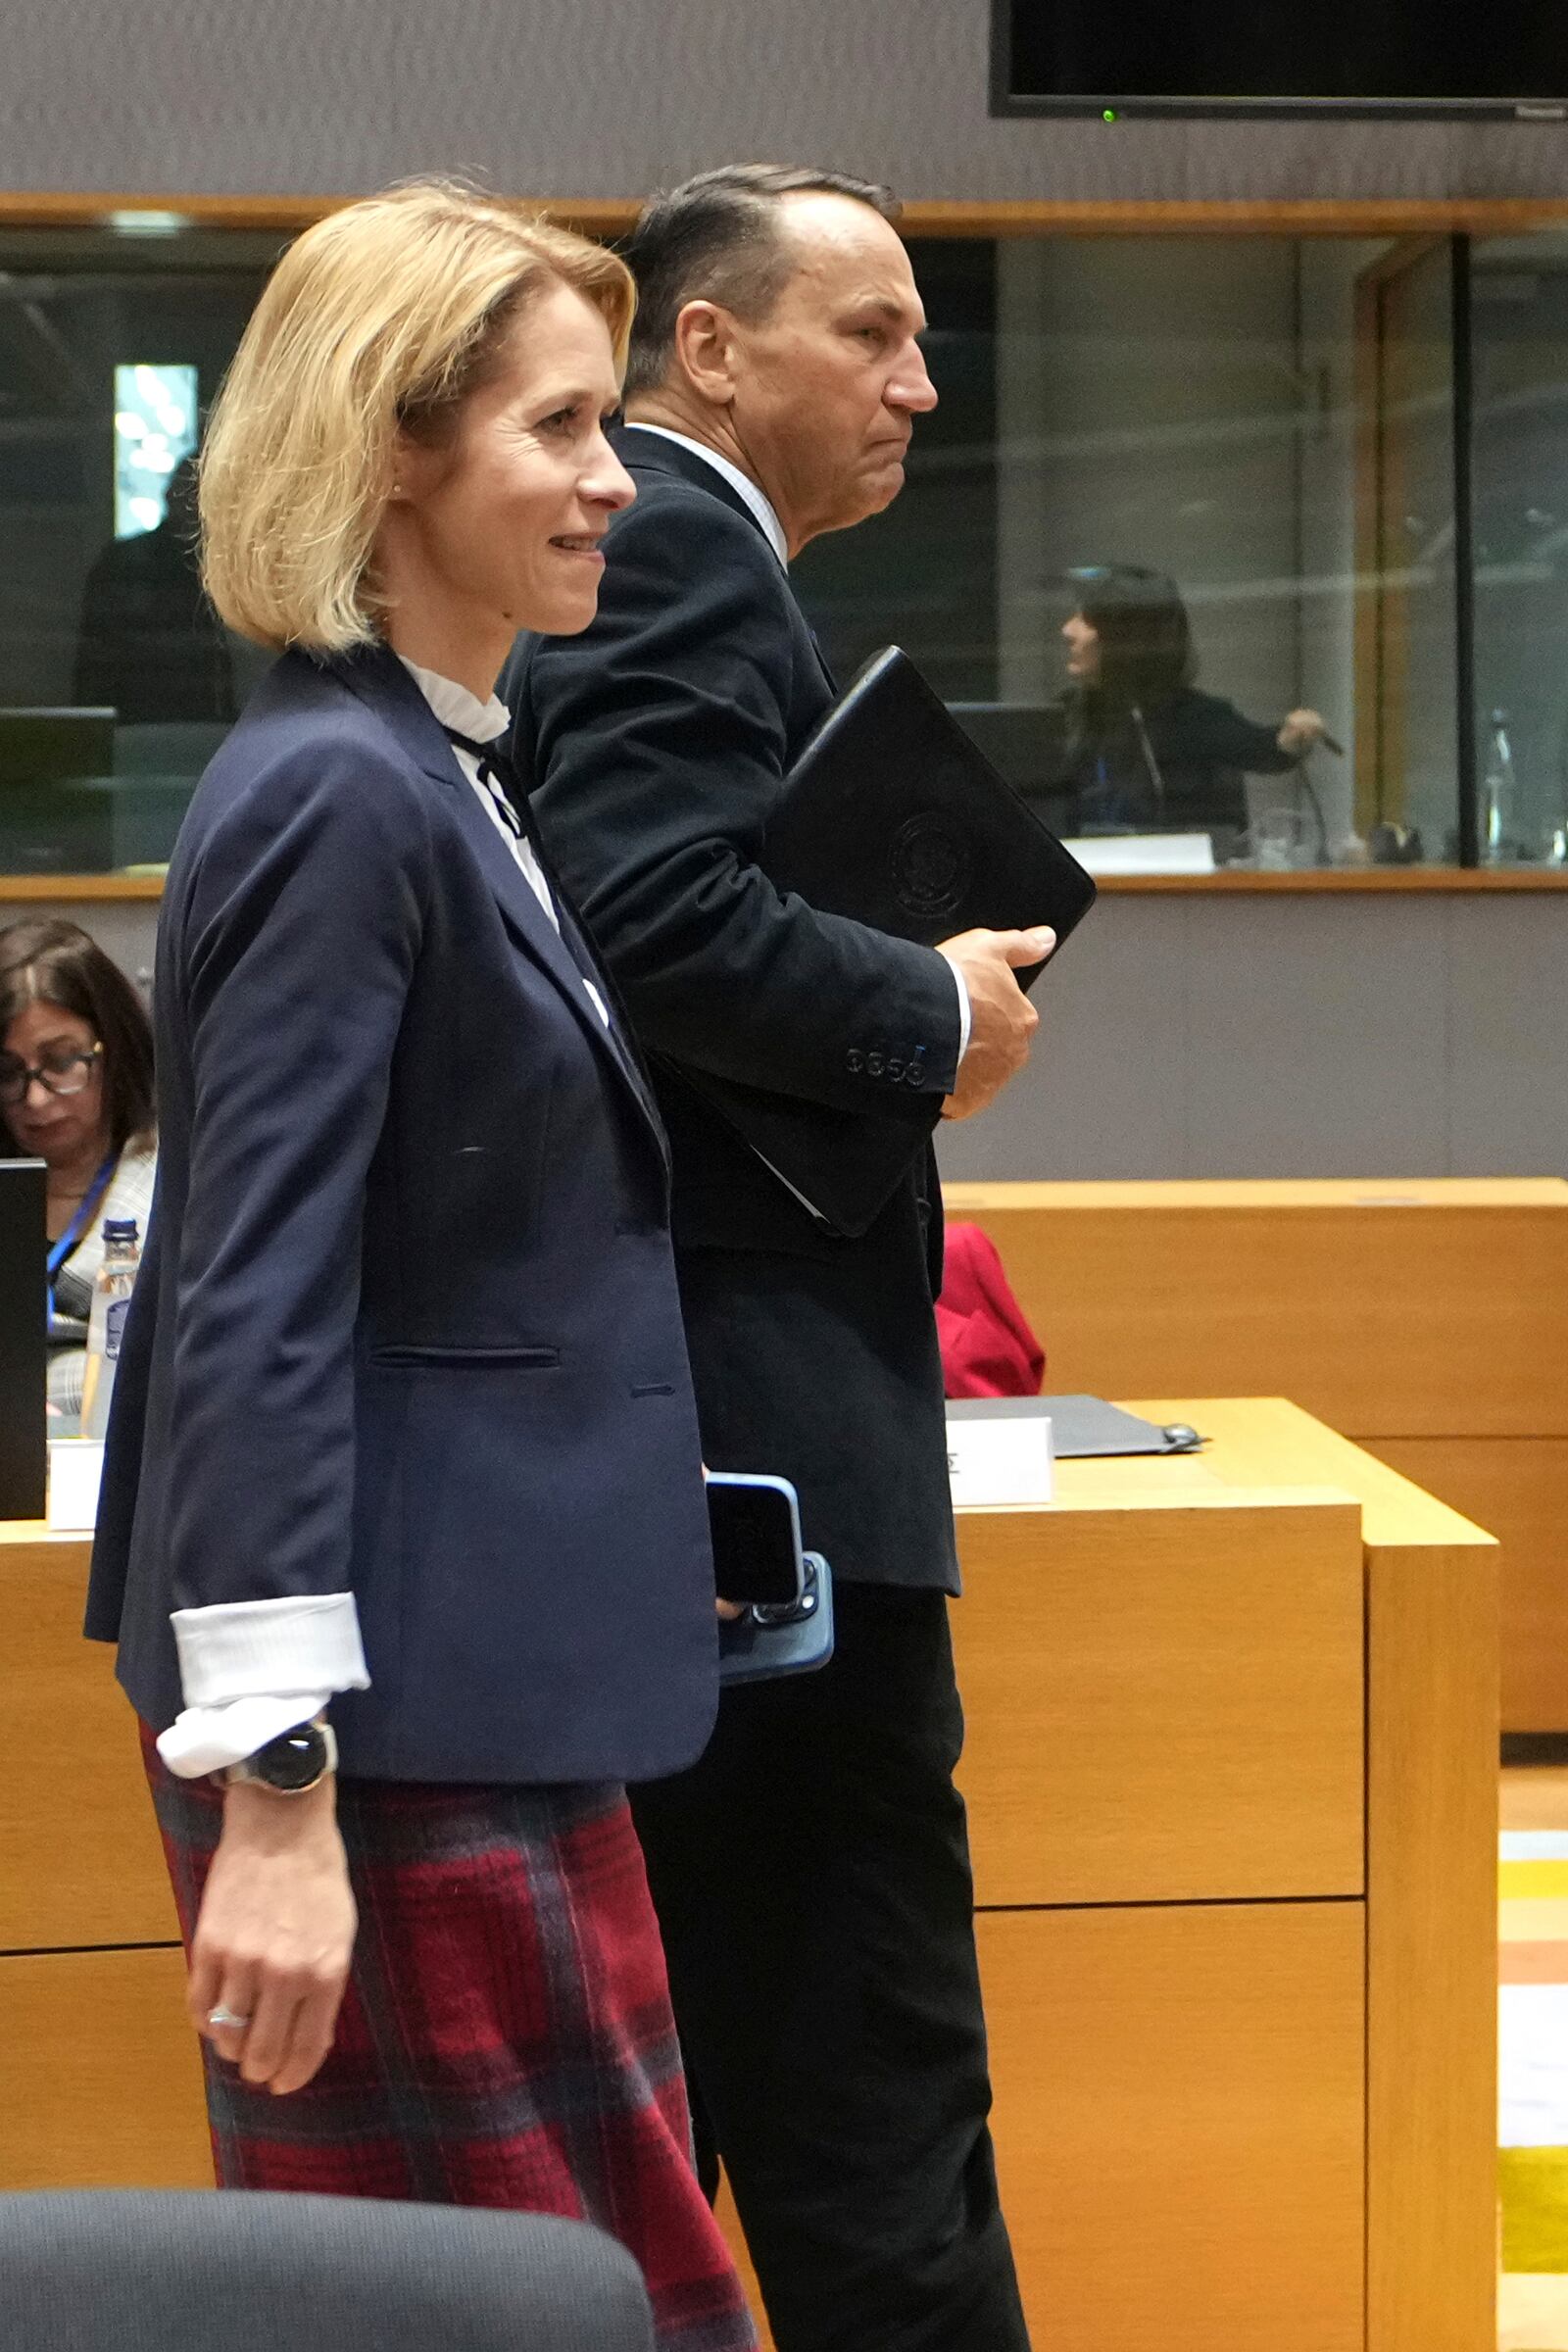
(79, 1855)
(1179, 2122)
(100, 2074)
(1163, 1704)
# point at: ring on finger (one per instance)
(223, 2019)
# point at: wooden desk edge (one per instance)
(1433, 1727)
(1396, 1515)
(921, 215)
(1219, 1495)
(1354, 881)
(1268, 1196)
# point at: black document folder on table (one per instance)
(892, 816)
(1081, 1427)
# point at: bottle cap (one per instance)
(119, 1229)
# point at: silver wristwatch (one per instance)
(292, 1764)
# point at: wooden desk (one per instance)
(1426, 1320)
(1231, 1771)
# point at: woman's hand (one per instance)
(1302, 731)
(275, 1934)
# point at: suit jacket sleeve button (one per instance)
(855, 1061)
(873, 1066)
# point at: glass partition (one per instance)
(1179, 543)
(1519, 308)
(115, 682)
(1185, 543)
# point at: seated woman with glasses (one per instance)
(1146, 751)
(75, 1092)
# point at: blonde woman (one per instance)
(402, 1536)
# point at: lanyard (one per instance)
(86, 1210)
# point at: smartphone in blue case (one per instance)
(785, 1594)
(764, 1642)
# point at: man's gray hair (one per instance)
(716, 238)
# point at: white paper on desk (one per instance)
(1001, 1456)
(76, 1466)
(1144, 853)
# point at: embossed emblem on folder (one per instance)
(931, 865)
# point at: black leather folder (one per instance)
(893, 816)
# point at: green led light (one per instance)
(1109, 115)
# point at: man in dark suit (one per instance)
(811, 1874)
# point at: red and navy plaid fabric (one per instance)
(506, 2039)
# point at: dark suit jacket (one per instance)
(408, 1323)
(658, 741)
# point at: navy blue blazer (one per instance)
(408, 1321)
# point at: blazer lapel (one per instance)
(379, 678)
(644, 452)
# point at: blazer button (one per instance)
(855, 1062)
(894, 1070)
(873, 1066)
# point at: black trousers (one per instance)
(812, 1876)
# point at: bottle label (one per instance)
(113, 1325)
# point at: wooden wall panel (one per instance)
(1179, 2123)
(100, 2074)
(1517, 1489)
(1427, 1309)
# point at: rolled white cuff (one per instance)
(965, 1016)
(206, 1739)
(270, 1649)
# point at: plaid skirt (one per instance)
(506, 2036)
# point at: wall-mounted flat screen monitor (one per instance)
(1233, 57)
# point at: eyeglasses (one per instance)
(67, 1071)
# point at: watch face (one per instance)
(294, 1761)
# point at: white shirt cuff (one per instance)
(205, 1738)
(269, 1649)
(251, 1669)
(965, 1021)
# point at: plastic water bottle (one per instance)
(1500, 796)
(113, 1285)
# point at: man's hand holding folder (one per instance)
(890, 817)
(1002, 1019)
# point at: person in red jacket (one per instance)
(988, 1348)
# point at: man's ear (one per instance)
(704, 349)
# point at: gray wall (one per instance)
(1314, 1035)
(610, 97)
(1319, 1035)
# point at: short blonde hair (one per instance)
(388, 314)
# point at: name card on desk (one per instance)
(999, 1451)
(76, 1466)
(1102, 853)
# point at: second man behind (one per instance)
(811, 1873)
